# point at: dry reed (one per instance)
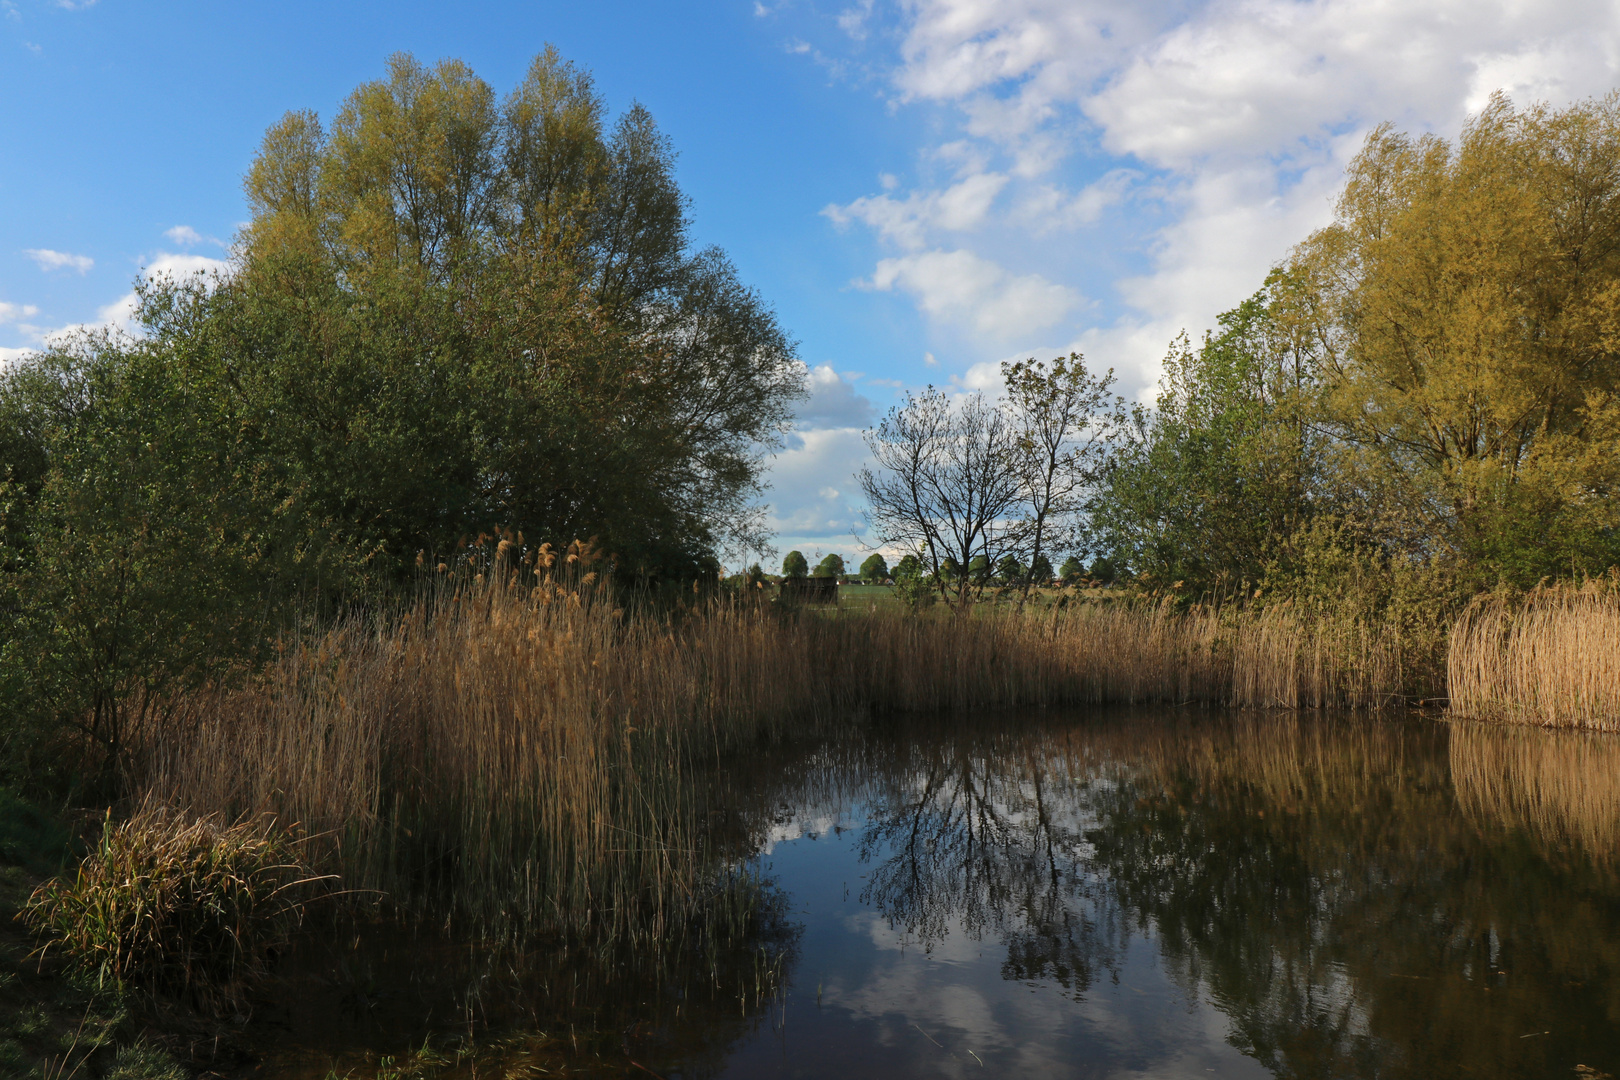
(526, 755)
(1551, 657)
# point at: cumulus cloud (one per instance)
(960, 287)
(833, 402)
(1237, 116)
(1048, 208)
(812, 487)
(48, 260)
(186, 236)
(178, 266)
(12, 313)
(908, 221)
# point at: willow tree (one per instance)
(528, 266)
(1465, 306)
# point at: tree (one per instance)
(947, 484)
(830, 567)
(1462, 305)
(1210, 485)
(1065, 417)
(145, 553)
(1071, 570)
(874, 568)
(795, 566)
(589, 370)
(1040, 570)
(1009, 571)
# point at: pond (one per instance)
(1092, 894)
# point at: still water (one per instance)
(1132, 894)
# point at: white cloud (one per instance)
(1048, 208)
(48, 260)
(960, 287)
(11, 356)
(907, 221)
(812, 484)
(11, 10)
(833, 402)
(75, 5)
(852, 21)
(11, 313)
(186, 236)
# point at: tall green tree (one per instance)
(1209, 484)
(874, 568)
(795, 565)
(1066, 418)
(606, 376)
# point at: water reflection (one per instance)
(1354, 897)
(1129, 893)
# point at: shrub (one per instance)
(178, 907)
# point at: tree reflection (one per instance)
(1360, 898)
(967, 837)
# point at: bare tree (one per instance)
(1063, 416)
(947, 484)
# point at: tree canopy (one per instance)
(832, 566)
(520, 273)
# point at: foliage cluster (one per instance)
(1425, 388)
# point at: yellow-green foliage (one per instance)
(176, 905)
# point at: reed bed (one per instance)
(527, 756)
(1550, 658)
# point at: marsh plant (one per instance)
(189, 908)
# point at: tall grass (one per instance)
(1551, 657)
(527, 756)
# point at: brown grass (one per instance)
(524, 756)
(1551, 657)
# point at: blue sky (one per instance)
(922, 189)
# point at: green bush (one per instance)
(174, 907)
